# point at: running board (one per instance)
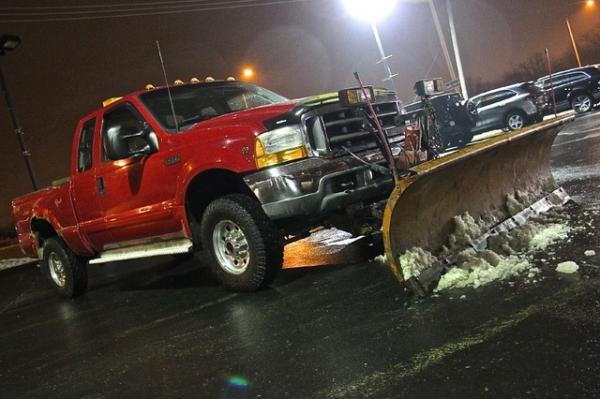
(171, 247)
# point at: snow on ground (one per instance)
(508, 255)
(415, 261)
(589, 253)
(568, 267)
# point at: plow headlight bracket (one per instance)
(430, 87)
(280, 145)
(355, 96)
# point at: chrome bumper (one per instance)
(315, 186)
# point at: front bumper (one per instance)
(313, 187)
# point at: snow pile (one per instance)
(589, 253)
(569, 267)
(381, 259)
(547, 235)
(414, 261)
(521, 200)
(506, 257)
(466, 231)
(507, 253)
(478, 271)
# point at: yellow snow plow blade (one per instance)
(476, 179)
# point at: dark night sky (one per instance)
(63, 70)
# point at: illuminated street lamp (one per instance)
(374, 11)
(248, 73)
(9, 43)
(589, 4)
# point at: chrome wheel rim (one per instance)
(231, 247)
(515, 122)
(57, 269)
(582, 104)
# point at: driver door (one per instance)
(136, 193)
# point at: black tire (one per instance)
(72, 271)
(264, 243)
(582, 103)
(510, 120)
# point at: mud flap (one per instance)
(476, 179)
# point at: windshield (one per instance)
(195, 103)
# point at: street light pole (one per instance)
(11, 110)
(461, 74)
(442, 39)
(384, 58)
(372, 12)
(573, 42)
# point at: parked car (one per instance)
(577, 89)
(510, 108)
(455, 118)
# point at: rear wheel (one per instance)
(582, 103)
(244, 246)
(65, 271)
(515, 120)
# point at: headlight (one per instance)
(280, 145)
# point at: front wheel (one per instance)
(65, 271)
(515, 120)
(582, 103)
(244, 246)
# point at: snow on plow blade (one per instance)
(476, 179)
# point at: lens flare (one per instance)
(237, 381)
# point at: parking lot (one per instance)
(334, 325)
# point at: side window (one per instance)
(86, 145)
(489, 99)
(578, 76)
(561, 80)
(547, 84)
(122, 120)
(504, 95)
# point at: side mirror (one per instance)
(123, 142)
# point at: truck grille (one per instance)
(333, 128)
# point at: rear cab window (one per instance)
(86, 145)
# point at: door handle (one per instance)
(100, 185)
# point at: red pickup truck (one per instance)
(226, 168)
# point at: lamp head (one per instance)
(370, 11)
(9, 43)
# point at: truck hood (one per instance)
(260, 116)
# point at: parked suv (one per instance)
(578, 89)
(510, 108)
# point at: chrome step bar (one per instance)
(170, 247)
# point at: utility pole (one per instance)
(442, 38)
(573, 42)
(9, 42)
(461, 74)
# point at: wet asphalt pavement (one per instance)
(342, 329)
